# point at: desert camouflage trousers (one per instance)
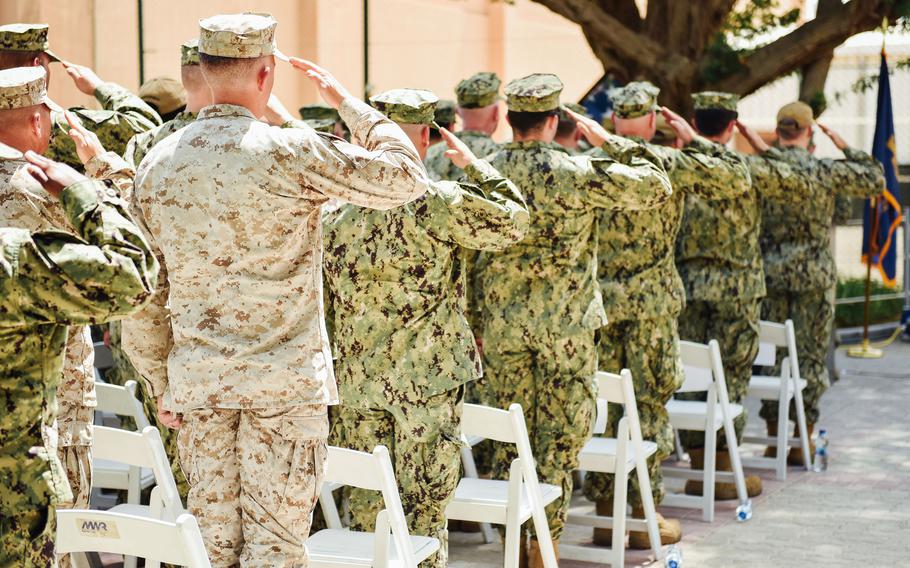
(650, 350)
(77, 461)
(552, 378)
(734, 324)
(812, 313)
(254, 477)
(424, 445)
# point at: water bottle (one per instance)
(674, 557)
(820, 463)
(744, 511)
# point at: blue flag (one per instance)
(882, 215)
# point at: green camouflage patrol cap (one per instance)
(239, 36)
(407, 106)
(319, 112)
(189, 53)
(535, 93)
(321, 125)
(715, 100)
(574, 107)
(638, 98)
(22, 87)
(445, 112)
(26, 37)
(479, 90)
(164, 93)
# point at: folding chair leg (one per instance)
(620, 496)
(680, 452)
(733, 449)
(783, 437)
(647, 502)
(708, 476)
(801, 425)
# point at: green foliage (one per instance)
(851, 315)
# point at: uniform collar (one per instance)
(225, 110)
(794, 149)
(532, 144)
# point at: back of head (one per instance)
(477, 99)
(714, 113)
(634, 107)
(533, 103)
(25, 109)
(794, 123)
(165, 95)
(24, 45)
(198, 92)
(414, 110)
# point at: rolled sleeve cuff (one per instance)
(80, 198)
(103, 166)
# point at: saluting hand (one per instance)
(752, 138)
(53, 176)
(458, 151)
(85, 79)
(87, 144)
(330, 89)
(834, 136)
(593, 131)
(684, 132)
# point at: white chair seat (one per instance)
(487, 500)
(768, 388)
(693, 414)
(108, 474)
(330, 546)
(599, 454)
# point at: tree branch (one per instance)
(815, 73)
(803, 45)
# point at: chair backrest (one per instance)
(143, 450)
(697, 367)
(104, 359)
(773, 336)
(121, 401)
(374, 472)
(178, 542)
(489, 423)
(617, 389)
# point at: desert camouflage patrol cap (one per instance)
(718, 100)
(189, 53)
(479, 90)
(796, 116)
(445, 112)
(319, 112)
(636, 99)
(163, 93)
(535, 93)
(22, 87)
(26, 37)
(407, 106)
(239, 36)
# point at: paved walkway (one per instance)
(855, 514)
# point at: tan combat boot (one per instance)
(771, 451)
(670, 531)
(722, 491)
(604, 537)
(795, 457)
(535, 559)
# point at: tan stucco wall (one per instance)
(413, 43)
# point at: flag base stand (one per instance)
(865, 351)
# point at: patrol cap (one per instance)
(319, 112)
(664, 135)
(574, 107)
(715, 100)
(795, 116)
(445, 112)
(321, 125)
(163, 93)
(22, 87)
(535, 93)
(26, 37)
(407, 106)
(189, 53)
(239, 36)
(636, 99)
(479, 90)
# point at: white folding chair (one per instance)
(143, 452)
(704, 372)
(470, 470)
(784, 388)
(113, 473)
(178, 542)
(618, 456)
(511, 502)
(391, 546)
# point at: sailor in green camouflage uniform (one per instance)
(719, 259)
(643, 293)
(404, 349)
(322, 118)
(444, 117)
(568, 135)
(478, 107)
(541, 300)
(799, 270)
(48, 281)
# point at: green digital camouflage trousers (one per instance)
(734, 324)
(650, 350)
(552, 378)
(424, 444)
(812, 313)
